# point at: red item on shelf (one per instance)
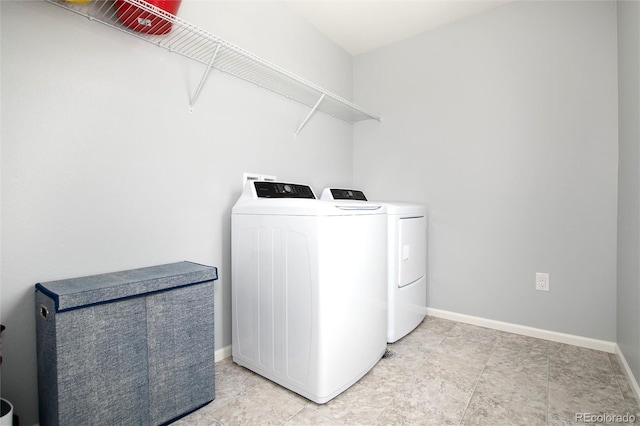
(146, 22)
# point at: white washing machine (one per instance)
(407, 261)
(308, 288)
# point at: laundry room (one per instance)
(514, 123)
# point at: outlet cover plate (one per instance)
(542, 281)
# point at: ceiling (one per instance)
(359, 26)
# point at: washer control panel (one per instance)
(282, 190)
(348, 194)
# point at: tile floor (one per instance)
(443, 373)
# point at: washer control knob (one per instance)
(287, 188)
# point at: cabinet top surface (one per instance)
(78, 292)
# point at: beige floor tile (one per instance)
(198, 418)
(473, 333)
(443, 373)
(629, 397)
(566, 401)
(442, 401)
(425, 338)
(633, 405)
(534, 364)
(308, 417)
(484, 410)
(477, 352)
(519, 343)
(517, 387)
(358, 405)
(437, 325)
(388, 376)
(577, 372)
(260, 405)
(398, 413)
(231, 382)
(409, 354)
(460, 372)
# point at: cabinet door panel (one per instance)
(181, 350)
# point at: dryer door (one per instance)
(413, 249)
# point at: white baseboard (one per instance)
(628, 372)
(223, 353)
(570, 339)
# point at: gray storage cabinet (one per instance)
(128, 348)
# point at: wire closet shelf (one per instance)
(199, 45)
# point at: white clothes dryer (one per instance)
(407, 261)
(308, 288)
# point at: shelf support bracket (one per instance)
(204, 78)
(310, 114)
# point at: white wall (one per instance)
(105, 169)
(629, 184)
(505, 126)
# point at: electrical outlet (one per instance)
(542, 281)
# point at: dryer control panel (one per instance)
(282, 190)
(347, 194)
